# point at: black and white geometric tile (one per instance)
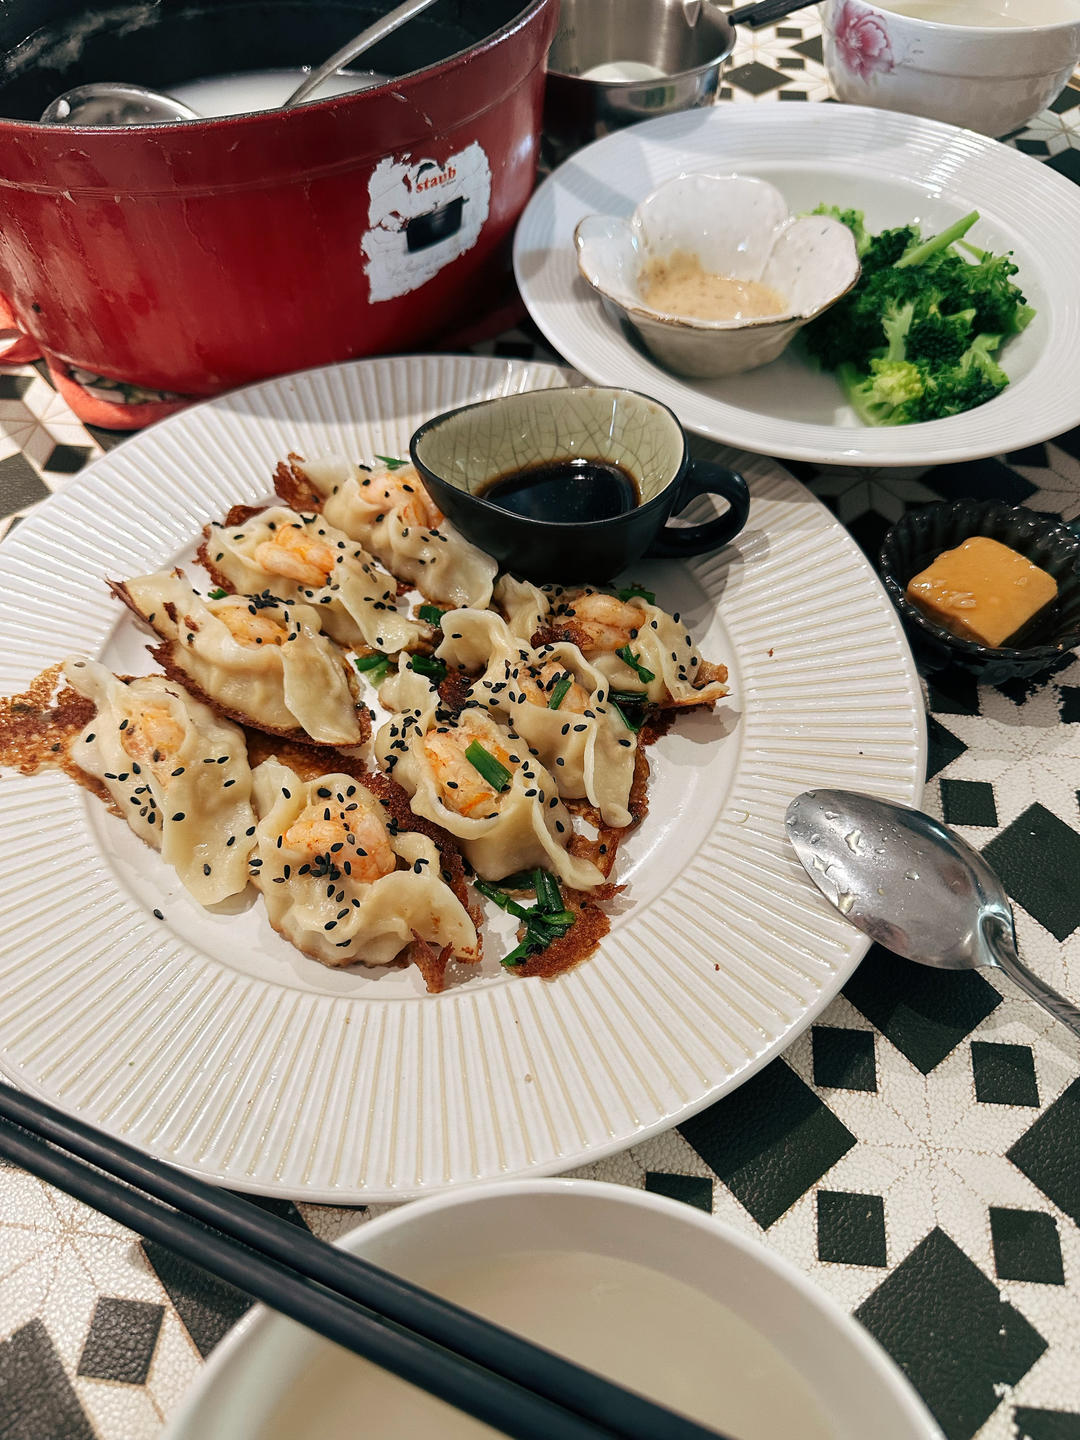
(917, 1151)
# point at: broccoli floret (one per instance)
(1000, 307)
(939, 339)
(972, 381)
(853, 219)
(852, 329)
(915, 339)
(896, 324)
(889, 395)
(886, 249)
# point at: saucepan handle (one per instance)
(703, 477)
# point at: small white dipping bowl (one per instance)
(739, 227)
(270, 1368)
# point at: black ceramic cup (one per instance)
(599, 471)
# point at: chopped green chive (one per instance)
(628, 657)
(493, 771)
(374, 666)
(560, 691)
(432, 614)
(391, 462)
(630, 707)
(562, 919)
(548, 894)
(428, 666)
(544, 922)
(217, 594)
(629, 591)
(631, 721)
(500, 897)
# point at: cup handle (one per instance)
(703, 477)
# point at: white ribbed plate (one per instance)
(209, 1041)
(896, 168)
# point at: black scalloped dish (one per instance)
(921, 536)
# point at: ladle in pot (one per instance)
(109, 102)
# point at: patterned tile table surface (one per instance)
(917, 1151)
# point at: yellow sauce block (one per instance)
(982, 591)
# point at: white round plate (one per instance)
(206, 1039)
(898, 169)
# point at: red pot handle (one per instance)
(16, 347)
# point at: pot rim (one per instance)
(411, 78)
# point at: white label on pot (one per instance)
(423, 214)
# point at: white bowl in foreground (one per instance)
(734, 228)
(645, 1289)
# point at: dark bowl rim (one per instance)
(553, 527)
(1047, 525)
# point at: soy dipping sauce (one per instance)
(569, 491)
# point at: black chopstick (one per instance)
(487, 1371)
(766, 11)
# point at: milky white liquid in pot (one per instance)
(986, 12)
(633, 1324)
(261, 90)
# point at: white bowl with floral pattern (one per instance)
(738, 227)
(992, 78)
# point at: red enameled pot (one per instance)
(198, 256)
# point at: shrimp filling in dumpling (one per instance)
(556, 701)
(480, 783)
(179, 775)
(390, 513)
(264, 661)
(638, 648)
(300, 557)
(340, 884)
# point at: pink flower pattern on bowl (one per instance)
(862, 40)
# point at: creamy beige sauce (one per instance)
(633, 1324)
(677, 284)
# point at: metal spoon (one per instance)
(109, 102)
(912, 885)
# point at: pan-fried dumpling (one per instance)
(340, 883)
(300, 557)
(261, 660)
(518, 827)
(523, 605)
(667, 668)
(555, 700)
(179, 775)
(391, 514)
